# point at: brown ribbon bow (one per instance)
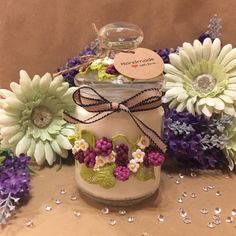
(143, 101)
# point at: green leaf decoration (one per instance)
(134, 148)
(145, 173)
(120, 135)
(105, 177)
(87, 174)
(89, 137)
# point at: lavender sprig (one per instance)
(7, 206)
(14, 182)
(180, 128)
(195, 140)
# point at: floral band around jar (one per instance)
(104, 161)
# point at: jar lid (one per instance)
(120, 36)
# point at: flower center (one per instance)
(41, 116)
(132, 166)
(204, 83)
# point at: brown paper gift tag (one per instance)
(142, 63)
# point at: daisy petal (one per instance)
(174, 92)
(215, 49)
(173, 104)
(23, 145)
(231, 65)
(190, 105)
(16, 88)
(49, 154)
(63, 142)
(16, 138)
(210, 102)
(206, 49)
(174, 78)
(229, 57)
(31, 149)
(175, 60)
(6, 93)
(224, 51)
(169, 69)
(181, 107)
(185, 58)
(231, 94)
(39, 153)
(10, 130)
(232, 80)
(226, 99)
(45, 82)
(207, 111)
(198, 49)
(229, 109)
(166, 99)
(182, 97)
(219, 104)
(188, 48)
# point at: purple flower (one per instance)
(72, 62)
(122, 173)
(203, 36)
(104, 146)
(89, 157)
(153, 158)
(15, 177)
(111, 70)
(79, 156)
(122, 151)
(184, 134)
(164, 54)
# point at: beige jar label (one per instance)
(141, 63)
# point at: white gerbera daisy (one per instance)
(202, 78)
(31, 119)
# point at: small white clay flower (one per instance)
(100, 162)
(133, 166)
(111, 158)
(143, 142)
(96, 62)
(138, 155)
(80, 144)
(107, 61)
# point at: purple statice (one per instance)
(111, 70)
(122, 173)
(14, 183)
(72, 62)
(104, 146)
(153, 158)
(122, 151)
(79, 156)
(90, 157)
(203, 36)
(164, 54)
(15, 176)
(195, 141)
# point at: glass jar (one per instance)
(129, 171)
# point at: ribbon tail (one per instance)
(70, 119)
(150, 133)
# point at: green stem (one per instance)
(60, 164)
